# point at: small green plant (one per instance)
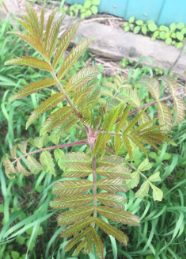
(89, 8)
(125, 62)
(158, 71)
(108, 134)
(172, 35)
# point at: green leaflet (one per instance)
(112, 185)
(42, 21)
(75, 228)
(124, 217)
(67, 188)
(145, 165)
(155, 177)
(111, 230)
(84, 90)
(55, 119)
(58, 154)
(53, 35)
(34, 166)
(63, 44)
(164, 114)
(30, 62)
(98, 244)
(33, 16)
(134, 181)
(77, 170)
(48, 27)
(74, 215)
(143, 191)
(22, 146)
(47, 162)
(179, 110)
(127, 145)
(83, 76)
(138, 143)
(152, 86)
(171, 83)
(112, 200)
(72, 201)
(32, 42)
(117, 144)
(91, 99)
(122, 119)
(114, 171)
(107, 160)
(71, 158)
(131, 96)
(43, 107)
(72, 58)
(111, 119)
(72, 242)
(33, 88)
(157, 193)
(133, 122)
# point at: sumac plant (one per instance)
(119, 126)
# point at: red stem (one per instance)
(94, 186)
(53, 147)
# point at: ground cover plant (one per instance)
(119, 99)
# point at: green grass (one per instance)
(28, 225)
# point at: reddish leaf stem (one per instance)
(53, 147)
(94, 186)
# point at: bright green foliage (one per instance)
(172, 35)
(90, 7)
(104, 117)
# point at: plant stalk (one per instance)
(94, 186)
(53, 147)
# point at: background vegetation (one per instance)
(28, 225)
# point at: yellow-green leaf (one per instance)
(75, 228)
(143, 191)
(135, 140)
(171, 83)
(47, 162)
(48, 27)
(145, 165)
(155, 177)
(22, 170)
(67, 188)
(165, 118)
(43, 107)
(30, 62)
(78, 157)
(72, 58)
(124, 217)
(111, 230)
(131, 96)
(42, 21)
(74, 215)
(77, 170)
(33, 88)
(56, 119)
(53, 35)
(179, 110)
(112, 200)
(111, 119)
(114, 171)
(152, 86)
(157, 193)
(122, 119)
(33, 165)
(127, 145)
(107, 160)
(36, 44)
(22, 146)
(84, 75)
(134, 181)
(145, 118)
(63, 44)
(117, 143)
(82, 92)
(72, 242)
(98, 244)
(112, 185)
(33, 15)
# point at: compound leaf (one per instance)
(33, 88)
(56, 118)
(75, 228)
(164, 115)
(124, 217)
(152, 86)
(73, 187)
(84, 75)
(73, 57)
(63, 44)
(74, 215)
(143, 191)
(111, 230)
(112, 185)
(112, 200)
(43, 107)
(179, 110)
(72, 201)
(47, 162)
(98, 243)
(114, 171)
(32, 62)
